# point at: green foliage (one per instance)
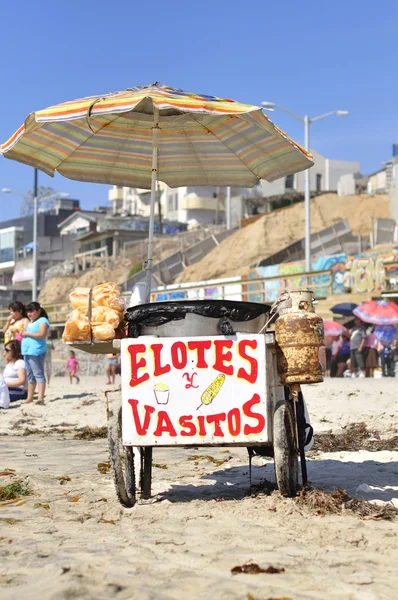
(135, 269)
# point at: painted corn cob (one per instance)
(212, 390)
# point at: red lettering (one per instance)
(218, 432)
(164, 425)
(234, 421)
(242, 374)
(222, 357)
(200, 347)
(158, 369)
(179, 355)
(202, 428)
(136, 365)
(248, 429)
(186, 421)
(141, 429)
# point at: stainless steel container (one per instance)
(196, 318)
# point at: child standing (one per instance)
(72, 365)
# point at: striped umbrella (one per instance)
(144, 134)
(333, 329)
(378, 312)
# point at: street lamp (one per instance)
(35, 204)
(307, 193)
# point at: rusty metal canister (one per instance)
(299, 339)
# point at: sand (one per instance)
(72, 539)
(276, 230)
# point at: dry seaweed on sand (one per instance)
(91, 433)
(354, 437)
(14, 490)
(338, 501)
(215, 461)
(254, 568)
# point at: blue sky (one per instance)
(309, 56)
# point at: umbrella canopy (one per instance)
(386, 334)
(344, 308)
(156, 133)
(202, 140)
(378, 312)
(333, 329)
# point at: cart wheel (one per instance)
(122, 466)
(285, 449)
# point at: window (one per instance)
(289, 182)
(318, 182)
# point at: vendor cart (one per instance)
(226, 380)
(209, 373)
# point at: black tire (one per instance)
(123, 468)
(285, 449)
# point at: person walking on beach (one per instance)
(110, 368)
(357, 345)
(72, 364)
(16, 322)
(387, 359)
(34, 348)
(371, 356)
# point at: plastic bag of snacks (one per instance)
(97, 314)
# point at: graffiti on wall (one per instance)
(367, 273)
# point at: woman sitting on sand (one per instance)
(15, 372)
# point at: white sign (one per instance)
(197, 390)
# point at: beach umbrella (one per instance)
(344, 308)
(333, 329)
(378, 312)
(142, 135)
(386, 334)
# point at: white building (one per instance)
(190, 204)
(324, 177)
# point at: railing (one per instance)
(84, 258)
(57, 314)
(262, 289)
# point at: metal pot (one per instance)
(196, 318)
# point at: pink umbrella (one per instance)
(333, 329)
(379, 312)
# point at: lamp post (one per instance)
(307, 192)
(35, 207)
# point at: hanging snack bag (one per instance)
(97, 314)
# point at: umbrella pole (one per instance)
(155, 152)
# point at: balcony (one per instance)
(194, 202)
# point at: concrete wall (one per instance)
(346, 185)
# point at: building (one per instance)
(81, 222)
(16, 248)
(193, 205)
(324, 177)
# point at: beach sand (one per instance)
(72, 539)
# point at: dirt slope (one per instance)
(275, 230)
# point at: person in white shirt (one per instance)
(15, 372)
